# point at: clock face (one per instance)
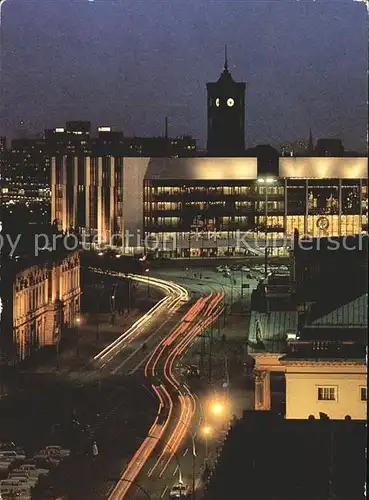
(217, 102)
(322, 223)
(230, 102)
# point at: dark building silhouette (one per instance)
(268, 159)
(329, 147)
(2, 143)
(226, 115)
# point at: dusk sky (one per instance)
(130, 63)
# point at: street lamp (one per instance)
(148, 282)
(78, 322)
(266, 181)
(217, 408)
(206, 431)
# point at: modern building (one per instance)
(2, 143)
(226, 115)
(38, 299)
(25, 177)
(206, 206)
(75, 139)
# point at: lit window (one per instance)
(326, 393)
(363, 393)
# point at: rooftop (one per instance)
(353, 314)
(202, 168)
(268, 331)
(246, 168)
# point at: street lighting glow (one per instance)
(206, 430)
(217, 408)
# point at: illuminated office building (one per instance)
(200, 206)
(209, 203)
(87, 195)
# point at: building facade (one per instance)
(324, 362)
(38, 301)
(334, 386)
(204, 206)
(210, 207)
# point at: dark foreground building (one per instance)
(267, 457)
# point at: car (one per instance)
(22, 476)
(57, 450)
(179, 490)
(7, 445)
(51, 457)
(220, 269)
(11, 484)
(15, 455)
(235, 267)
(5, 463)
(19, 481)
(245, 269)
(32, 470)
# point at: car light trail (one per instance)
(168, 350)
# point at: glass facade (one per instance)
(206, 217)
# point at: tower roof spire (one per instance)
(225, 58)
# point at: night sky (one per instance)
(131, 62)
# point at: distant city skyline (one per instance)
(130, 65)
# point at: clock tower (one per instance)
(226, 115)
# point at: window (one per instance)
(326, 393)
(363, 393)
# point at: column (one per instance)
(262, 390)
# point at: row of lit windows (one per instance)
(30, 300)
(317, 225)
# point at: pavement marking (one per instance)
(139, 348)
(175, 471)
(185, 453)
(164, 491)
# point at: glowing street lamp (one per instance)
(206, 431)
(78, 323)
(217, 408)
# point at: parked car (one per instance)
(7, 445)
(179, 490)
(16, 455)
(57, 450)
(13, 484)
(23, 476)
(32, 470)
(220, 269)
(5, 463)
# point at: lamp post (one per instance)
(266, 181)
(206, 432)
(78, 322)
(148, 282)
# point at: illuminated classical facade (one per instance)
(325, 366)
(38, 303)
